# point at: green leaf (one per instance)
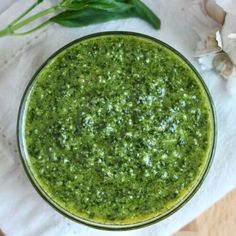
(109, 5)
(73, 4)
(75, 13)
(87, 17)
(142, 11)
(86, 12)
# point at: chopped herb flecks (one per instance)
(117, 129)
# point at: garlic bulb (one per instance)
(205, 27)
(216, 27)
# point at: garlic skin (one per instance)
(228, 6)
(227, 33)
(219, 39)
(223, 65)
(215, 11)
(205, 27)
(208, 44)
(216, 26)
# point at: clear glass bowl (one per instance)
(21, 140)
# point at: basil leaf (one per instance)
(86, 17)
(75, 13)
(85, 12)
(73, 4)
(143, 12)
(109, 5)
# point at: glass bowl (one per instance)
(54, 204)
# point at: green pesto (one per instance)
(117, 129)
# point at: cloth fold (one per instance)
(22, 211)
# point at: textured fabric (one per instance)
(22, 211)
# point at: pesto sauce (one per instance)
(117, 128)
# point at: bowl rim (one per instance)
(84, 221)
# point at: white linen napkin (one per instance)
(22, 211)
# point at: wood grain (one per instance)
(1, 233)
(219, 220)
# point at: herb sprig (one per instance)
(77, 13)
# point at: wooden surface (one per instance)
(219, 220)
(1, 233)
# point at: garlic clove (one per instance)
(223, 65)
(227, 33)
(215, 11)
